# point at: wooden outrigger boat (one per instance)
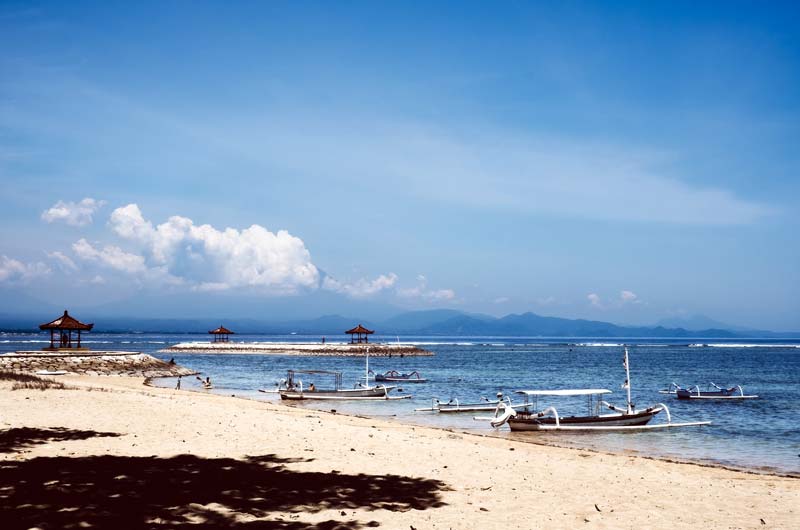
(454, 405)
(393, 376)
(620, 419)
(293, 388)
(713, 392)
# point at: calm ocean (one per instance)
(762, 434)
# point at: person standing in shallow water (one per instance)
(178, 386)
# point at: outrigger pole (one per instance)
(366, 370)
(627, 384)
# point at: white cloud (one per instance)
(110, 256)
(63, 261)
(361, 288)
(71, 213)
(629, 297)
(97, 280)
(212, 259)
(594, 299)
(12, 270)
(211, 287)
(501, 300)
(440, 294)
(421, 291)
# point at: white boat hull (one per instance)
(381, 392)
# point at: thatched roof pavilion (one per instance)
(65, 325)
(359, 334)
(221, 334)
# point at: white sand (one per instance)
(483, 482)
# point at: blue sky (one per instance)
(625, 162)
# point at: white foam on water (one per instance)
(750, 345)
(599, 344)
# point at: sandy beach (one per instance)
(110, 452)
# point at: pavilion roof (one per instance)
(359, 329)
(222, 330)
(66, 322)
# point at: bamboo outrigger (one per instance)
(620, 419)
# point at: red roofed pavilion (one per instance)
(65, 325)
(359, 334)
(221, 334)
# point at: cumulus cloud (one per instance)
(110, 256)
(213, 259)
(12, 270)
(360, 288)
(73, 213)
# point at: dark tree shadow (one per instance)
(188, 491)
(21, 438)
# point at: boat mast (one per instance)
(366, 370)
(627, 384)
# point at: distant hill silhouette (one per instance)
(444, 322)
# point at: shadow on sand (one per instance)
(22, 438)
(186, 491)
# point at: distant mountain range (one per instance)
(699, 322)
(443, 322)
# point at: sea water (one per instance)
(761, 434)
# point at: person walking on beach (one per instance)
(178, 386)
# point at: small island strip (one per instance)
(342, 349)
(358, 346)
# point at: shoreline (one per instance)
(284, 465)
(710, 463)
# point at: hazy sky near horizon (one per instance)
(624, 162)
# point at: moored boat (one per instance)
(393, 376)
(530, 419)
(619, 419)
(454, 405)
(293, 388)
(713, 391)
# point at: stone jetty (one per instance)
(109, 363)
(332, 349)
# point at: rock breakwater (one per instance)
(133, 364)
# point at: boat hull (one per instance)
(381, 392)
(524, 422)
(380, 379)
(467, 407)
(723, 394)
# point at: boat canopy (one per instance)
(566, 392)
(328, 372)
